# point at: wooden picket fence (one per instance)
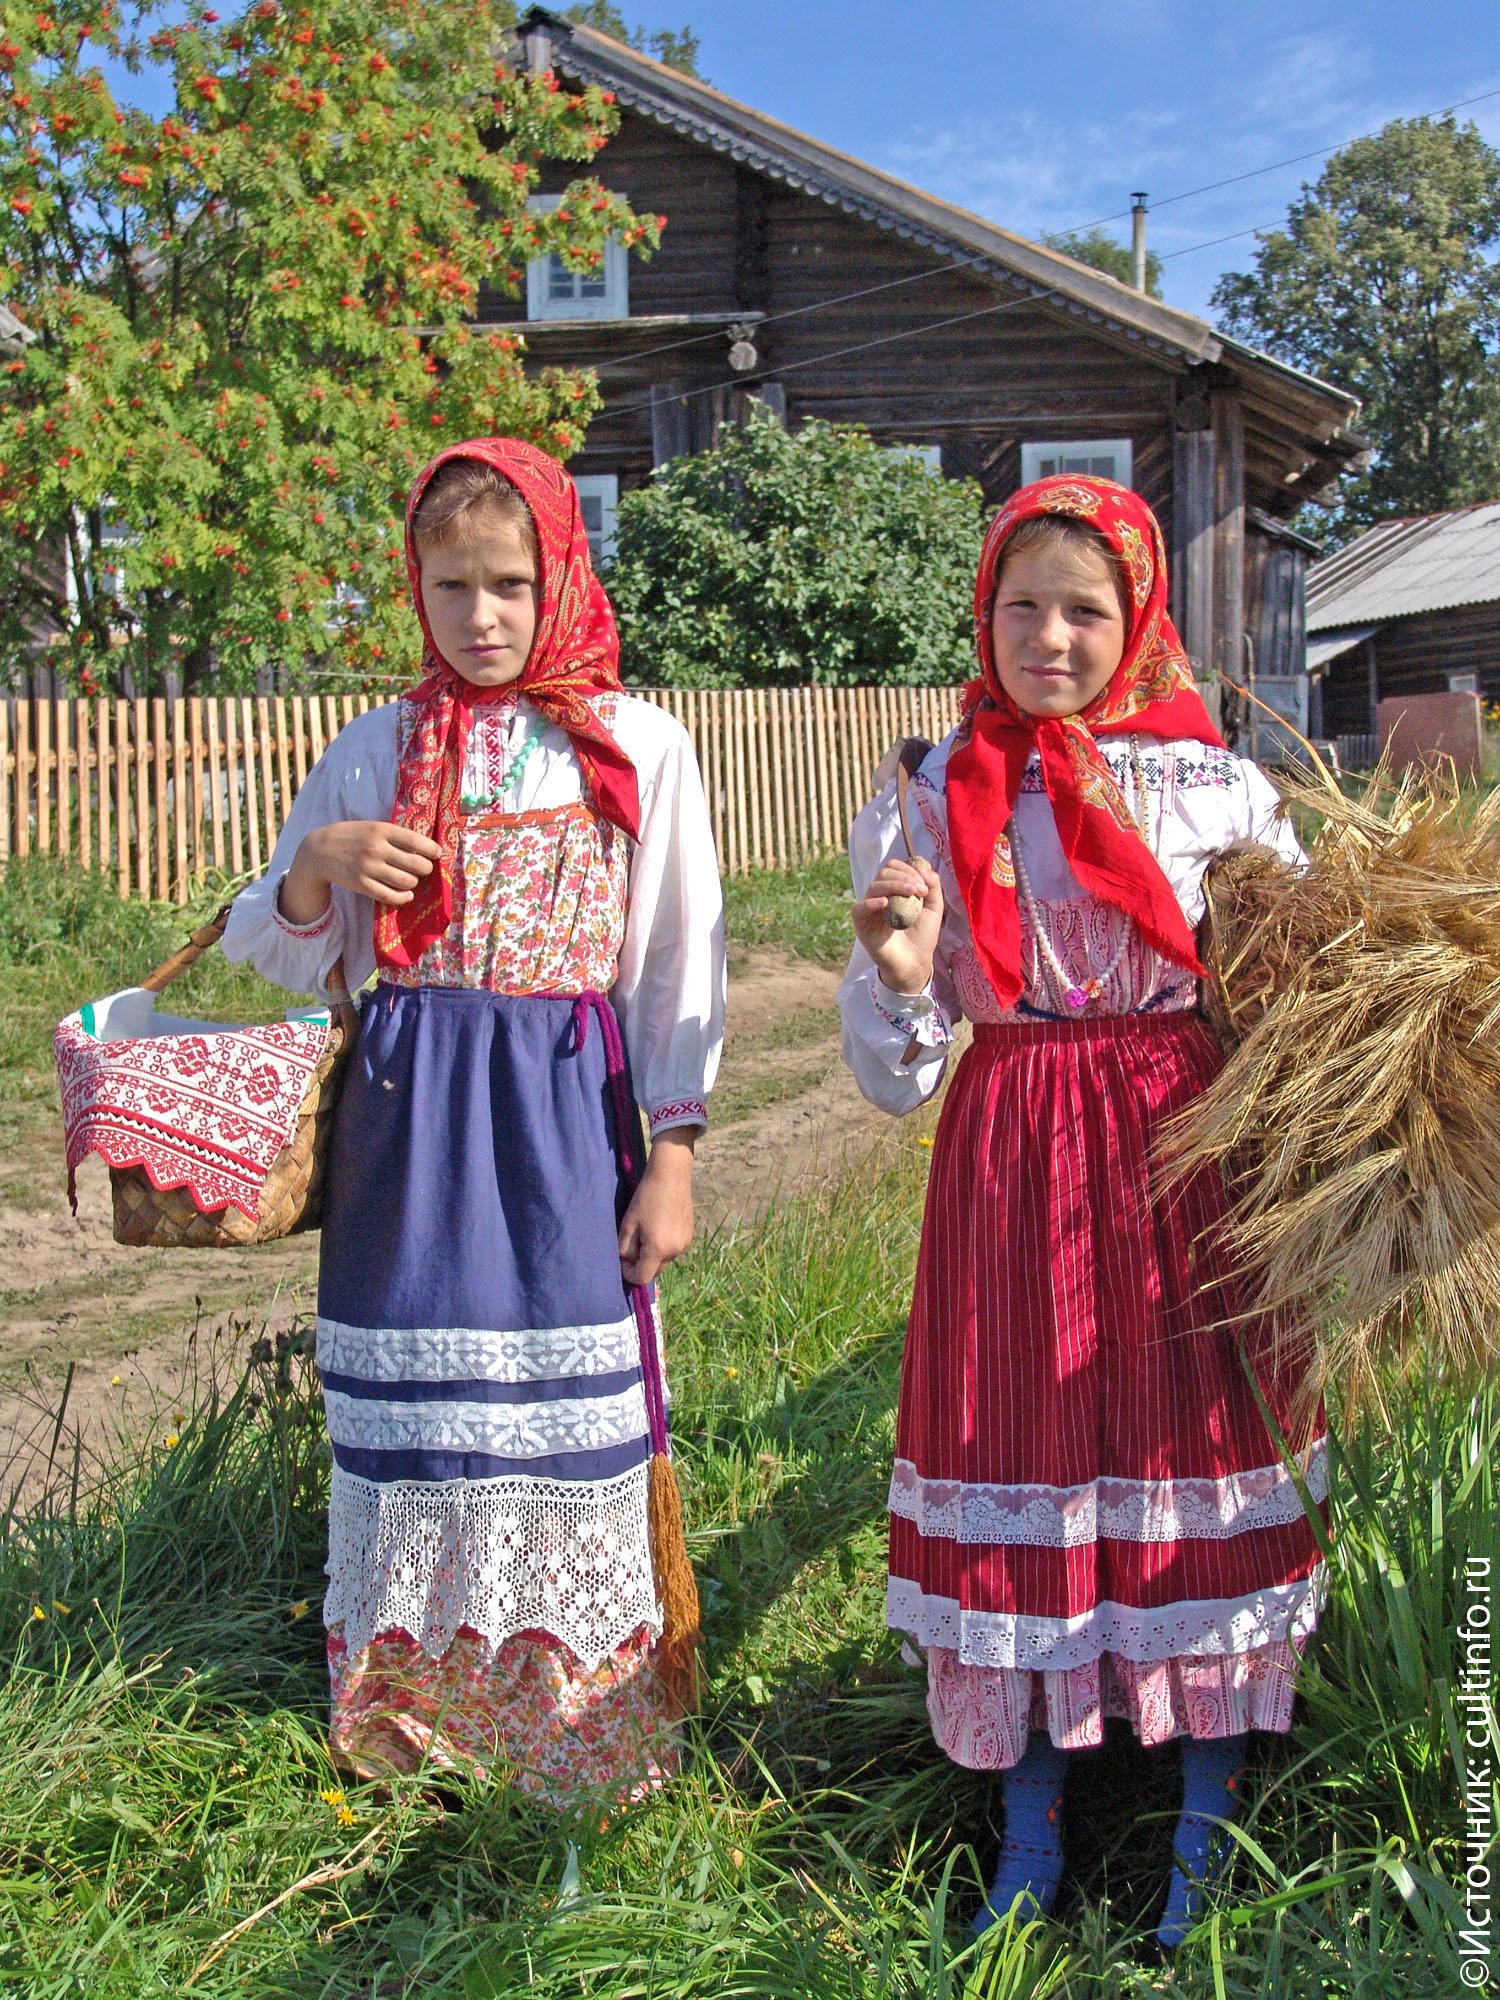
(163, 794)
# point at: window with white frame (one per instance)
(1463, 683)
(598, 497)
(1096, 458)
(555, 292)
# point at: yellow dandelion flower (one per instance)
(114, 1381)
(299, 1609)
(332, 1796)
(65, 1609)
(732, 1374)
(170, 1439)
(924, 1142)
(346, 1816)
(37, 1611)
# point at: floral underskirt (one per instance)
(526, 1713)
(982, 1716)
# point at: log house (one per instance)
(995, 357)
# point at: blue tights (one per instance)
(1211, 1773)
(1031, 1853)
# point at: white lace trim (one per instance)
(476, 1354)
(1286, 1611)
(500, 1556)
(1120, 1510)
(502, 1430)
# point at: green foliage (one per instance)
(779, 560)
(676, 47)
(1385, 281)
(254, 316)
(1103, 252)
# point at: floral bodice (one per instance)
(539, 905)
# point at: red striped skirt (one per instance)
(1088, 1506)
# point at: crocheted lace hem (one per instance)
(495, 1556)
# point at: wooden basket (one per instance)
(292, 1198)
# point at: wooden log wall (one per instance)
(166, 795)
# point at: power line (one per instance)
(886, 339)
(967, 263)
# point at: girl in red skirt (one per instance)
(1089, 1513)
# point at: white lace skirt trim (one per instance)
(1048, 1645)
(499, 1556)
(1126, 1510)
(464, 1353)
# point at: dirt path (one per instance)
(137, 1328)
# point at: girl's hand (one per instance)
(902, 958)
(658, 1225)
(369, 857)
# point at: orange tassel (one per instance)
(677, 1587)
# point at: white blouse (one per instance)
(669, 985)
(1192, 800)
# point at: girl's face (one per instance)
(1057, 628)
(480, 599)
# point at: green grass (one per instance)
(159, 1803)
(804, 911)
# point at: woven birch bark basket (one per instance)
(292, 1197)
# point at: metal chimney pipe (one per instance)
(1138, 241)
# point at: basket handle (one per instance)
(201, 941)
(208, 935)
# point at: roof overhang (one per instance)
(1330, 646)
(1296, 406)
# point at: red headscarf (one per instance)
(1150, 693)
(575, 654)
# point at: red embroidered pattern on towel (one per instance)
(206, 1112)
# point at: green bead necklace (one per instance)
(479, 802)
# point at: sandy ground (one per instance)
(103, 1341)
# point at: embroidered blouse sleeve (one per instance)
(355, 778)
(880, 1026)
(669, 989)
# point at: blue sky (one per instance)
(1045, 114)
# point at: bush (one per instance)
(779, 560)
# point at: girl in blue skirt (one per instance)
(505, 846)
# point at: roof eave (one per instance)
(698, 111)
(782, 153)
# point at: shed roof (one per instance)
(1311, 413)
(1429, 562)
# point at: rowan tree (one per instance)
(256, 317)
(1385, 281)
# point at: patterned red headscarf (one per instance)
(1150, 693)
(574, 655)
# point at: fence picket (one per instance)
(159, 791)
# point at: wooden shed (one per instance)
(794, 273)
(1410, 607)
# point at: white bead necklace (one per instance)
(1076, 995)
